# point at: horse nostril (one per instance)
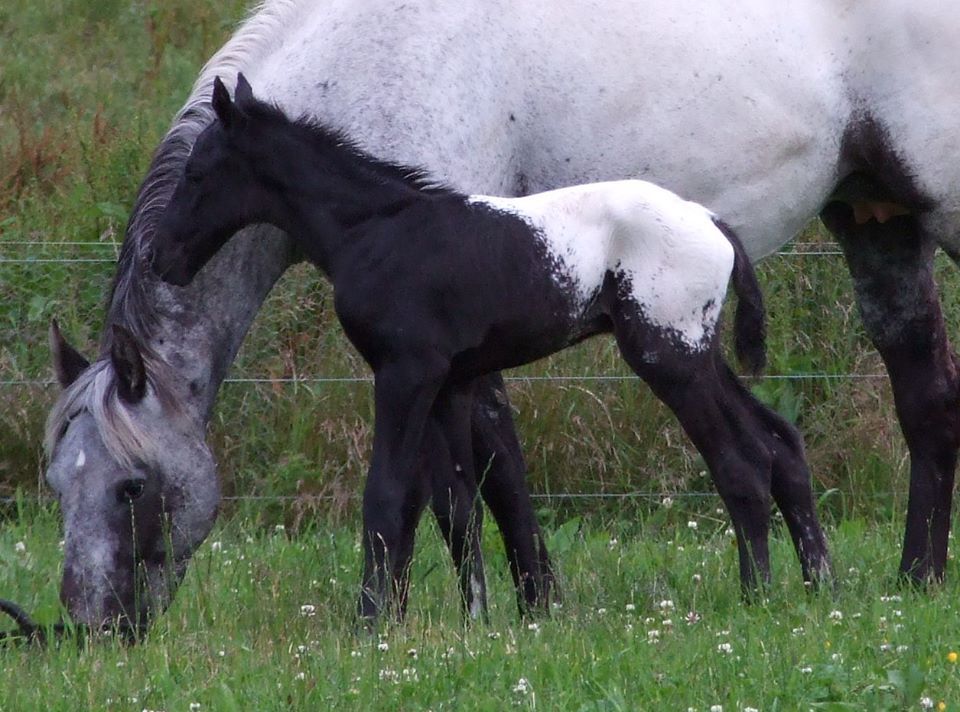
(130, 490)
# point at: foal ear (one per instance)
(128, 365)
(243, 94)
(223, 105)
(67, 361)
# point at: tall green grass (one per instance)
(651, 619)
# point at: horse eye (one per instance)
(130, 490)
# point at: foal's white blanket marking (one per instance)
(676, 259)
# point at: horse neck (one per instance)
(324, 194)
(197, 330)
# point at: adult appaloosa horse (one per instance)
(767, 114)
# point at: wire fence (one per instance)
(98, 249)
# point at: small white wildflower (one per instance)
(853, 571)
(383, 647)
(692, 617)
(885, 647)
(836, 657)
(666, 502)
(903, 648)
(723, 633)
(308, 609)
(62, 543)
(601, 611)
(194, 706)
(729, 532)
(667, 623)
(836, 616)
(20, 547)
(666, 605)
(798, 630)
(630, 608)
(120, 663)
(494, 635)
(725, 648)
(926, 703)
(692, 524)
(891, 599)
(716, 708)
(300, 676)
(653, 635)
(388, 674)
(612, 544)
(222, 653)
(355, 653)
(412, 653)
(806, 669)
(898, 614)
(697, 578)
(750, 709)
(279, 528)
(522, 687)
(535, 627)
(216, 546)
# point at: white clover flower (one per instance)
(692, 524)
(522, 687)
(535, 627)
(494, 635)
(692, 617)
(194, 706)
(903, 648)
(666, 502)
(300, 676)
(383, 647)
(601, 611)
(612, 544)
(665, 605)
(667, 623)
(806, 669)
(20, 547)
(216, 546)
(308, 609)
(836, 616)
(716, 708)
(725, 648)
(750, 709)
(653, 636)
(388, 674)
(926, 703)
(697, 578)
(279, 528)
(798, 630)
(885, 647)
(412, 653)
(630, 608)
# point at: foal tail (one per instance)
(749, 321)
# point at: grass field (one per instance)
(651, 619)
(86, 92)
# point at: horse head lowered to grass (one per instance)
(436, 289)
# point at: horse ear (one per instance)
(128, 365)
(243, 93)
(67, 361)
(222, 104)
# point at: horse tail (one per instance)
(749, 322)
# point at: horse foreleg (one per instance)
(456, 500)
(396, 490)
(892, 269)
(501, 471)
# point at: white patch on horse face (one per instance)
(81, 459)
(677, 261)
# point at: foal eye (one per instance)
(130, 490)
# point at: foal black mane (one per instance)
(345, 150)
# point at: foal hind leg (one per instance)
(455, 499)
(790, 483)
(500, 469)
(892, 269)
(721, 428)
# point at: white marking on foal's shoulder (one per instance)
(81, 459)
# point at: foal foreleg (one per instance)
(892, 269)
(456, 499)
(396, 490)
(499, 466)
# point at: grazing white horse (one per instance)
(767, 113)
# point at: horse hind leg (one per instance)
(790, 484)
(892, 269)
(725, 433)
